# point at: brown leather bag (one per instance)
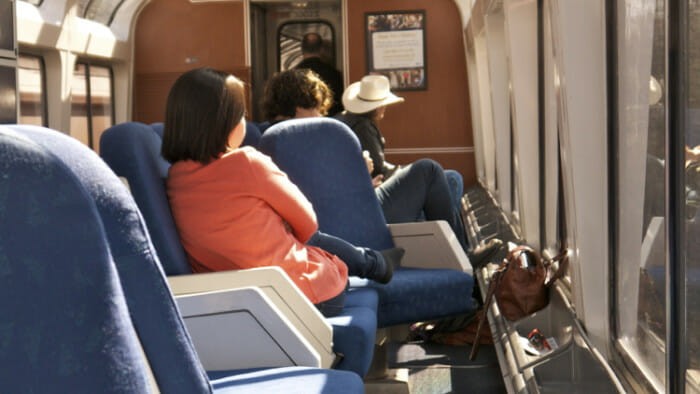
(521, 285)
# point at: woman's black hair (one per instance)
(204, 105)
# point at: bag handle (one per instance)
(563, 259)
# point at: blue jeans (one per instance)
(456, 184)
(420, 190)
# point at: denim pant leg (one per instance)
(362, 262)
(334, 306)
(456, 184)
(420, 187)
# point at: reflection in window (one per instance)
(100, 11)
(692, 202)
(91, 103)
(289, 42)
(32, 97)
(640, 307)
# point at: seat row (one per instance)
(217, 326)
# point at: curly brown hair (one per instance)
(297, 88)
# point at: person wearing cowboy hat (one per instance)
(415, 192)
(365, 103)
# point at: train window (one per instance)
(289, 42)
(8, 92)
(692, 202)
(91, 103)
(640, 306)
(32, 95)
(100, 11)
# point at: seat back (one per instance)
(165, 341)
(339, 186)
(323, 157)
(132, 151)
(65, 324)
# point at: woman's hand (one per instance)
(377, 180)
(368, 161)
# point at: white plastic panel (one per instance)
(473, 76)
(500, 105)
(551, 138)
(430, 244)
(579, 30)
(278, 288)
(487, 138)
(239, 329)
(634, 69)
(521, 45)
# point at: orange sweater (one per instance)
(241, 211)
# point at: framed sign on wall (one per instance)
(396, 48)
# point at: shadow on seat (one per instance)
(132, 150)
(72, 321)
(323, 157)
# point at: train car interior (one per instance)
(568, 132)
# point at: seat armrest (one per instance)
(281, 291)
(242, 328)
(430, 244)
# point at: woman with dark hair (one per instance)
(235, 209)
(419, 190)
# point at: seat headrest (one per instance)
(322, 157)
(62, 303)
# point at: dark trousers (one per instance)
(362, 262)
(420, 191)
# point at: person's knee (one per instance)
(427, 167)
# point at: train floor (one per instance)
(430, 368)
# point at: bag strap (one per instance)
(495, 280)
(563, 259)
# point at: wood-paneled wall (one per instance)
(173, 36)
(433, 123)
(438, 117)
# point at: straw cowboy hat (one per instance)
(372, 92)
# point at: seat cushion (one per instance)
(354, 331)
(290, 380)
(421, 294)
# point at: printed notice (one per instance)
(397, 49)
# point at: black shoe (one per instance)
(392, 259)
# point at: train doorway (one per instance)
(276, 30)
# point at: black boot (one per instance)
(392, 259)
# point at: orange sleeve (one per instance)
(284, 197)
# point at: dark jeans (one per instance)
(334, 306)
(362, 262)
(420, 190)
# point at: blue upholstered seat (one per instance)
(132, 150)
(71, 321)
(323, 157)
